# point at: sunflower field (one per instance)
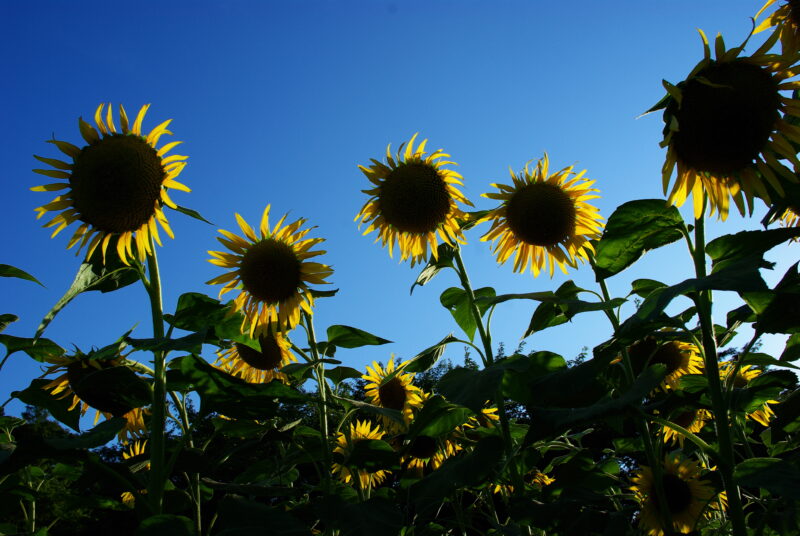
(665, 427)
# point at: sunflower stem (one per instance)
(642, 426)
(703, 302)
(155, 489)
(319, 370)
(519, 484)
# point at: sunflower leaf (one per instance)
(371, 455)
(437, 418)
(349, 337)
(792, 350)
(429, 356)
(6, 270)
(778, 476)
(746, 248)
(38, 349)
(192, 214)
(456, 300)
(94, 274)
(633, 229)
(6, 319)
(96, 437)
(35, 395)
(446, 253)
(166, 525)
(239, 516)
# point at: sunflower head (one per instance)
(77, 379)
(786, 21)
(424, 454)
(545, 219)
(678, 357)
(116, 185)
(413, 200)
(692, 420)
(686, 496)
(746, 373)
(261, 362)
(727, 126)
(359, 431)
(391, 388)
(273, 270)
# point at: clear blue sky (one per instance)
(278, 102)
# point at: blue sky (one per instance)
(278, 102)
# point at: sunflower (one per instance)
(273, 271)
(258, 365)
(744, 375)
(136, 454)
(74, 371)
(544, 218)
(692, 420)
(424, 454)
(727, 125)
(534, 479)
(413, 200)
(686, 495)
(786, 19)
(790, 217)
(392, 388)
(117, 185)
(344, 445)
(679, 358)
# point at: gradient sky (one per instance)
(278, 102)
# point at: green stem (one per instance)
(703, 302)
(642, 427)
(158, 476)
(319, 371)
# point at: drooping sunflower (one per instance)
(790, 217)
(359, 431)
(75, 380)
(746, 373)
(116, 185)
(260, 365)
(692, 420)
(273, 270)
(679, 358)
(726, 127)
(424, 454)
(544, 218)
(391, 388)
(786, 21)
(414, 200)
(686, 495)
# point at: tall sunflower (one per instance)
(136, 455)
(746, 373)
(359, 431)
(74, 380)
(262, 364)
(413, 200)
(116, 185)
(686, 495)
(544, 218)
(391, 388)
(693, 420)
(727, 125)
(786, 21)
(273, 270)
(679, 358)
(424, 454)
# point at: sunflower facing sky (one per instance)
(73, 371)
(259, 365)
(391, 388)
(273, 271)
(116, 186)
(686, 495)
(359, 431)
(728, 125)
(413, 200)
(786, 21)
(544, 218)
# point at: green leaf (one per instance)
(446, 253)
(777, 476)
(746, 247)
(792, 350)
(633, 229)
(782, 314)
(370, 454)
(6, 320)
(339, 374)
(96, 437)
(166, 525)
(376, 410)
(472, 388)
(38, 349)
(349, 337)
(35, 395)
(643, 287)
(231, 396)
(6, 270)
(458, 303)
(765, 360)
(189, 343)
(524, 371)
(115, 390)
(192, 214)
(429, 356)
(375, 516)
(437, 418)
(94, 275)
(243, 517)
